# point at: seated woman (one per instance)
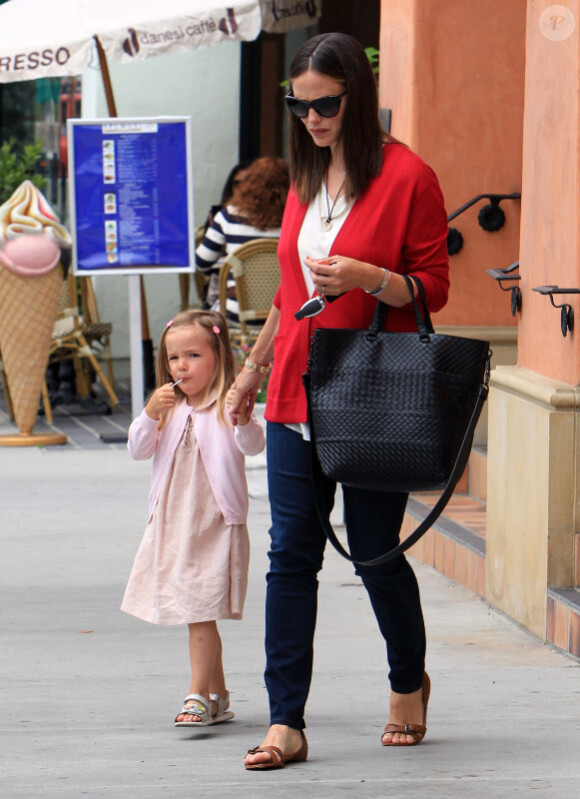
(236, 176)
(255, 212)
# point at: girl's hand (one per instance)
(160, 401)
(337, 274)
(247, 384)
(238, 407)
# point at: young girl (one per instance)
(192, 565)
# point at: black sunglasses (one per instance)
(324, 106)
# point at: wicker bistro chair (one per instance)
(199, 278)
(184, 290)
(256, 271)
(97, 333)
(69, 339)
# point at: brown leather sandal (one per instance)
(415, 731)
(277, 758)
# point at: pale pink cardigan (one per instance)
(222, 451)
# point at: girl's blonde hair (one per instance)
(216, 329)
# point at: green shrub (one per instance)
(18, 164)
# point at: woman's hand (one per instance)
(338, 273)
(242, 395)
(247, 384)
(238, 407)
(160, 401)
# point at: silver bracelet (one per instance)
(255, 367)
(385, 280)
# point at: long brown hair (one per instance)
(223, 377)
(342, 58)
(260, 197)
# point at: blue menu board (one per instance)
(131, 195)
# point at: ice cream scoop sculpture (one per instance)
(31, 275)
(28, 212)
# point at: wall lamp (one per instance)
(504, 275)
(490, 217)
(566, 313)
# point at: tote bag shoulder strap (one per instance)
(433, 515)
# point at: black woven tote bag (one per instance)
(395, 411)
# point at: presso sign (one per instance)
(279, 16)
(34, 60)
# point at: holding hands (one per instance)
(239, 407)
(160, 401)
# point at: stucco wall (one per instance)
(452, 71)
(203, 84)
(550, 250)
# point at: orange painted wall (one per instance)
(550, 252)
(452, 71)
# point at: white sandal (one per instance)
(199, 706)
(222, 713)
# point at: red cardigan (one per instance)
(399, 223)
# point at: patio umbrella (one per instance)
(44, 40)
(50, 40)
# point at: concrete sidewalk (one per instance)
(88, 694)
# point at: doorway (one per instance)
(264, 68)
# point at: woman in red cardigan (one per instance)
(363, 209)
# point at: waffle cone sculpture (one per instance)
(30, 288)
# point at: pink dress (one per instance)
(191, 566)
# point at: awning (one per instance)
(53, 39)
(279, 16)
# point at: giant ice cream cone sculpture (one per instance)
(30, 287)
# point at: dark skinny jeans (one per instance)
(373, 521)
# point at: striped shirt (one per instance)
(225, 234)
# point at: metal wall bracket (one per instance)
(490, 217)
(504, 275)
(566, 312)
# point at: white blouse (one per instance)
(314, 240)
